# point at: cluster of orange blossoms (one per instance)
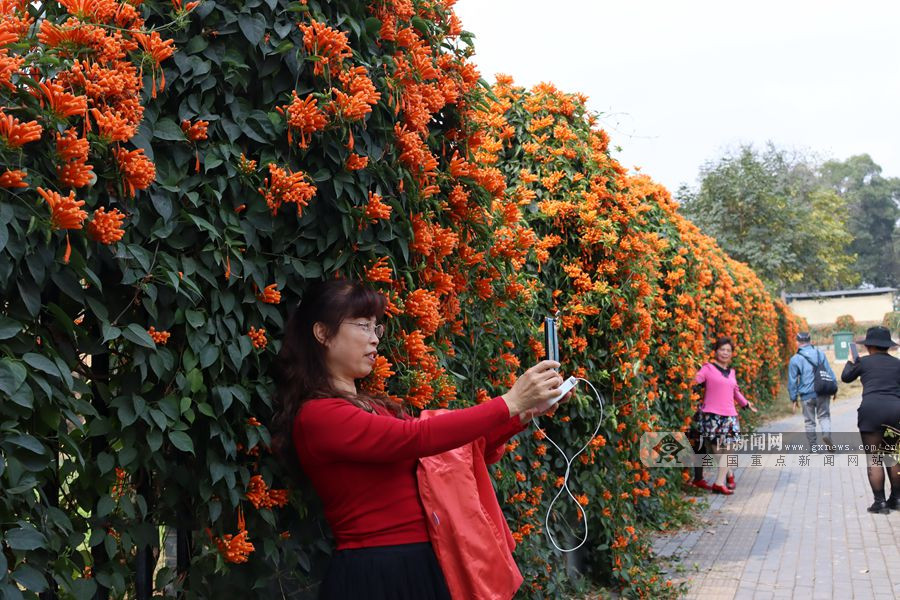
(72, 152)
(259, 494)
(13, 179)
(379, 272)
(258, 338)
(65, 211)
(283, 186)
(95, 94)
(304, 117)
(15, 134)
(195, 131)
(138, 172)
(106, 227)
(329, 45)
(270, 294)
(160, 337)
(355, 162)
(120, 487)
(236, 548)
(376, 209)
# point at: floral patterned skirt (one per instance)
(719, 428)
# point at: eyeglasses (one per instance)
(369, 328)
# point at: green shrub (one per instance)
(845, 322)
(892, 321)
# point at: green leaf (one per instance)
(215, 510)
(138, 335)
(159, 418)
(126, 414)
(30, 578)
(197, 44)
(105, 462)
(167, 129)
(297, 7)
(110, 332)
(83, 589)
(23, 396)
(372, 25)
(182, 441)
(195, 318)
(127, 456)
(8, 328)
(105, 506)
(41, 363)
(154, 440)
(98, 308)
(208, 356)
(25, 537)
(140, 405)
(12, 375)
(9, 591)
(217, 470)
(225, 395)
(195, 380)
(96, 537)
(26, 441)
(253, 27)
(204, 224)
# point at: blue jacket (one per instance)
(800, 372)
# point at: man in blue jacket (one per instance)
(800, 387)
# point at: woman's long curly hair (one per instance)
(300, 371)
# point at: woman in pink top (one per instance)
(718, 424)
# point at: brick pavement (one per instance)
(790, 532)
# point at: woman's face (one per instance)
(723, 354)
(350, 353)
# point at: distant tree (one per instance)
(770, 210)
(872, 211)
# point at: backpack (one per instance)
(824, 383)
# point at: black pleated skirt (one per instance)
(403, 572)
(875, 412)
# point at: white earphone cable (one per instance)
(565, 485)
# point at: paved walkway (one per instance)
(791, 532)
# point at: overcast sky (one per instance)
(679, 82)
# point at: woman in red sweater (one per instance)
(360, 452)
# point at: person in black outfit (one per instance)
(880, 408)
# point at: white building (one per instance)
(823, 308)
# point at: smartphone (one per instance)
(551, 343)
(853, 351)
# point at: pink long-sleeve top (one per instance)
(721, 391)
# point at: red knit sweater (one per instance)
(363, 465)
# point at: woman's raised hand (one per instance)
(533, 388)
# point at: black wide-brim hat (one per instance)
(878, 337)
